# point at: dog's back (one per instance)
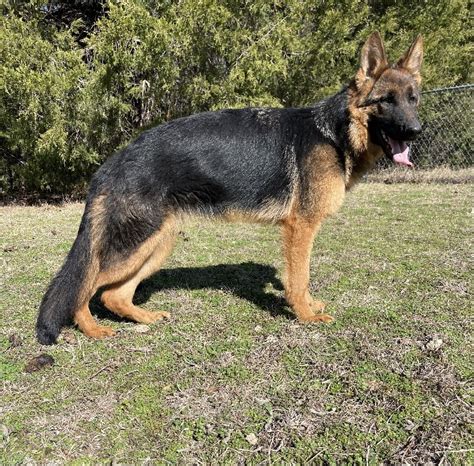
(214, 162)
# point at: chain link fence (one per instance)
(445, 147)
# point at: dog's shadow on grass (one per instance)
(248, 281)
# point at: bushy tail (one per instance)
(69, 288)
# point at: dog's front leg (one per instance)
(298, 236)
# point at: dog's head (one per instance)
(388, 96)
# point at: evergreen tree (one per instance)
(79, 79)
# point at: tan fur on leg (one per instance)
(87, 324)
(118, 298)
(298, 235)
(315, 304)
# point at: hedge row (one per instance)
(79, 79)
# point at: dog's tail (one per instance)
(70, 288)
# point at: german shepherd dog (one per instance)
(289, 166)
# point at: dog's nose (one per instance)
(413, 130)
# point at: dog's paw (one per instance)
(316, 318)
(317, 306)
(148, 317)
(99, 332)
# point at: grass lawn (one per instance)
(232, 377)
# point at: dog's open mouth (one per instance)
(397, 150)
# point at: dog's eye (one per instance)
(388, 99)
(412, 99)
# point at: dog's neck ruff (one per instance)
(320, 118)
(345, 127)
(330, 118)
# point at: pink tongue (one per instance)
(400, 152)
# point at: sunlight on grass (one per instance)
(232, 377)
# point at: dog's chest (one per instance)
(324, 187)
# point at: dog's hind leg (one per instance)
(118, 298)
(298, 236)
(87, 324)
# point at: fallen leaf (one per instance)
(434, 344)
(252, 439)
(39, 362)
(141, 328)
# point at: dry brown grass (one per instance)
(440, 175)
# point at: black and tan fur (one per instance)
(290, 167)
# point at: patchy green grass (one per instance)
(231, 377)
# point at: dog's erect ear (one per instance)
(413, 57)
(373, 59)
